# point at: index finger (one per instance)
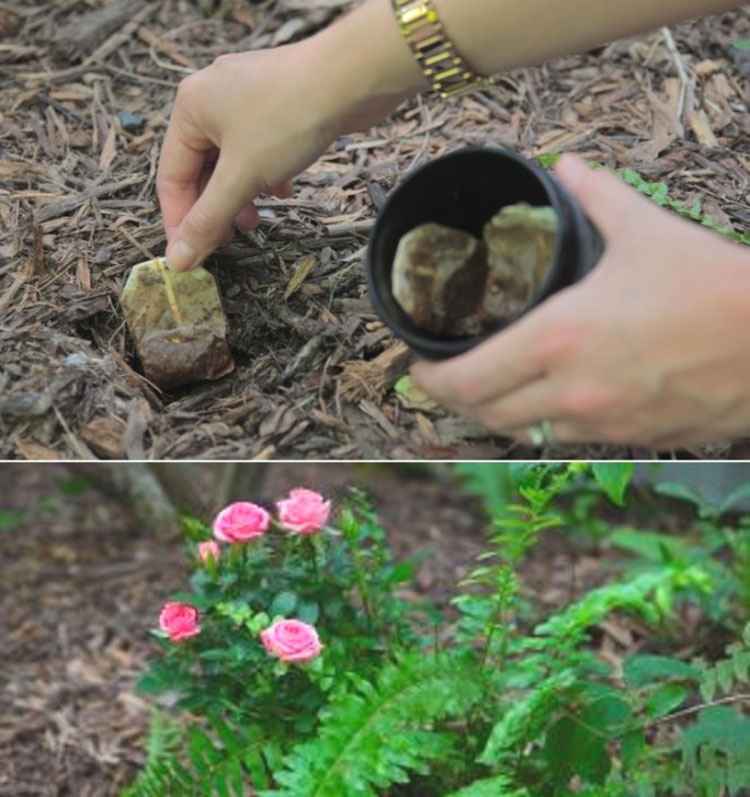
(181, 160)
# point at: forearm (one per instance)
(367, 50)
(497, 35)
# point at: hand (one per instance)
(651, 349)
(250, 122)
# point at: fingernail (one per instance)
(181, 255)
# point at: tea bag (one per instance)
(451, 284)
(520, 243)
(178, 324)
(438, 278)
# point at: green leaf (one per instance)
(308, 612)
(642, 670)
(573, 749)
(683, 493)
(525, 718)
(665, 698)
(632, 746)
(283, 604)
(741, 44)
(614, 478)
(725, 675)
(499, 786)
(606, 712)
(649, 545)
(548, 160)
(737, 495)
(708, 685)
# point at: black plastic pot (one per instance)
(464, 189)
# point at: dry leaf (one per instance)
(301, 269)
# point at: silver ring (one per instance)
(542, 433)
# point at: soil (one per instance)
(81, 586)
(83, 114)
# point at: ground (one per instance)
(82, 121)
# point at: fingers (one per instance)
(210, 217)
(283, 191)
(533, 346)
(603, 196)
(247, 218)
(181, 166)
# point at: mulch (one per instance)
(82, 114)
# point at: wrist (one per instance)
(365, 65)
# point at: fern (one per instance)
(716, 751)
(525, 718)
(728, 673)
(492, 482)
(375, 734)
(499, 786)
(218, 760)
(649, 594)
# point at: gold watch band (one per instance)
(445, 68)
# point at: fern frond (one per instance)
(525, 718)
(375, 734)
(725, 675)
(218, 760)
(499, 786)
(716, 751)
(634, 595)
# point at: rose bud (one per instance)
(209, 550)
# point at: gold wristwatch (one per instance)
(445, 68)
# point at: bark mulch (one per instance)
(83, 110)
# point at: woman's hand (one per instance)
(652, 349)
(250, 122)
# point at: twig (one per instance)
(71, 203)
(693, 709)
(681, 71)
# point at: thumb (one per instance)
(602, 195)
(208, 220)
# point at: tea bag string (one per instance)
(164, 272)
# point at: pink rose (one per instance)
(304, 511)
(179, 620)
(291, 640)
(209, 550)
(241, 522)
